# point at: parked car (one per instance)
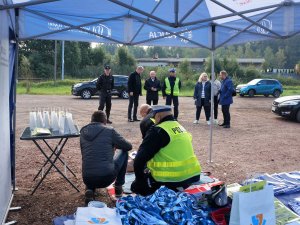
(288, 106)
(88, 89)
(264, 87)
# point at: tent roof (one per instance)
(185, 23)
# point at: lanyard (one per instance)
(161, 208)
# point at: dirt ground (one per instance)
(257, 142)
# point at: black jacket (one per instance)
(146, 123)
(152, 95)
(198, 92)
(172, 83)
(155, 139)
(105, 83)
(134, 83)
(97, 143)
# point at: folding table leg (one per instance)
(52, 165)
(46, 162)
(54, 152)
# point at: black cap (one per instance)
(107, 67)
(161, 108)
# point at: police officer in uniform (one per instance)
(167, 154)
(105, 84)
(170, 90)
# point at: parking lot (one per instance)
(257, 142)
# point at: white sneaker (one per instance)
(208, 122)
(216, 121)
(196, 122)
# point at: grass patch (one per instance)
(64, 88)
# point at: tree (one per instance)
(217, 65)
(85, 52)
(159, 51)
(40, 54)
(249, 53)
(97, 56)
(72, 58)
(25, 71)
(124, 63)
(185, 69)
(269, 58)
(280, 59)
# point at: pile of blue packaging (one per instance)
(162, 208)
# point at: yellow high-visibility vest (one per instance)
(177, 161)
(175, 88)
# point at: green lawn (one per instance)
(64, 88)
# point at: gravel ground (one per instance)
(257, 142)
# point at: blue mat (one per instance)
(286, 188)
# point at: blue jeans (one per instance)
(120, 161)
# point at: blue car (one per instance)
(264, 87)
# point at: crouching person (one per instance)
(166, 156)
(102, 164)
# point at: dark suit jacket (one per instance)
(134, 83)
(152, 95)
(198, 92)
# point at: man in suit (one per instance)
(135, 90)
(170, 90)
(152, 86)
(226, 100)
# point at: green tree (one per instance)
(98, 56)
(280, 59)
(249, 53)
(269, 58)
(124, 62)
(40, 54)
(72, 58)
(25, 71)
(185, 69)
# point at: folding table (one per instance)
(53, 157)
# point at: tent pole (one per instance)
(212, 92)
(16, 70)
(55, 60)
(63, 60)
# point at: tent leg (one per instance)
(213, 43)
(211, 106)
(16, 70)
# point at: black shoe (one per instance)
(221, 125)
(118, 191)
(89, 196)
(108, 121)
(130, 120)
(226, 126)
(136, 120)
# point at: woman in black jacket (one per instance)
(202, 97)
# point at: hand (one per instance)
(131, 93)
(164, 97)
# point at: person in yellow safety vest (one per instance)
(148, 119)
(170, 90)
(166, 156)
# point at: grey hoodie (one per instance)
(97, 143)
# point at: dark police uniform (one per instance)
(105, 84)
(155, 140)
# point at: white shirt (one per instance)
(203, 92)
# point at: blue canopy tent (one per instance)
(183, 23)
